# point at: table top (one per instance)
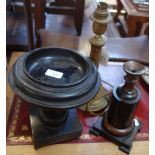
(108, 148)
(131, 10)
(118, 49)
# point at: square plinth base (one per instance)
(124, 142)
(44, 135)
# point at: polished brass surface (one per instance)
(100, 18)
(99, 102)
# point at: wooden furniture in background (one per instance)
(73, 8)
(133, 17)
(119, 49)
(123, 49)
(67, 7)
(16, 31)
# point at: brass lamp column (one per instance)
(100, 18)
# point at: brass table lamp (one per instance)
(101, 17)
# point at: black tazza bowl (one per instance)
(56, 78)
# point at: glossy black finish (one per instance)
(73, 66)
(51, 92)
(46, 135)
(121, 112)
(52, 117)
(50, 95)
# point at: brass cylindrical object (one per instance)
(100, 18)
(99, 29)
(96, 54)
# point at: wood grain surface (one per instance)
(108, 148)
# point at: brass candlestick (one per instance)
(100, 18)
